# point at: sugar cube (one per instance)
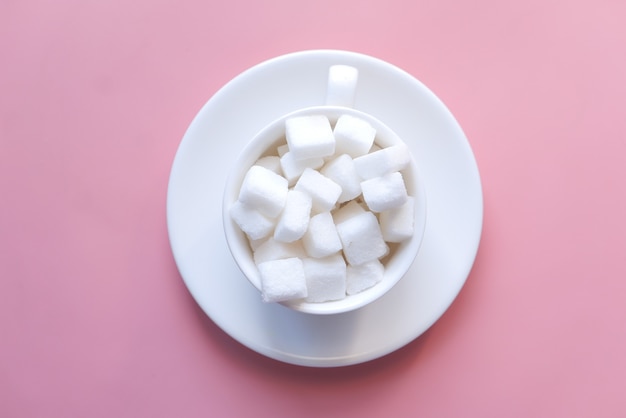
(321, 238)
(252, 222)
(322, 190)
(271, 162)
(383, 161)
(364, 276)
(397, 224)
(325, 278)
(282, 280)
(341, 170)
(264, 190)
(384, 193)
(346, 211)
(294, 219)
(276, 250)
(362, 239)
(293, 169)
(353, 136)
(309, 136)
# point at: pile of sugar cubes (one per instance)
(321, 210)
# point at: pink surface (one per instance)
(94, 317)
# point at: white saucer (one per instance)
(209, 148)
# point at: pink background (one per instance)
(95, 320)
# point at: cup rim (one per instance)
(398, 262)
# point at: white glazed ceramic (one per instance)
(204, 158)
(401, 256)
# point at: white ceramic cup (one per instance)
(342, 84)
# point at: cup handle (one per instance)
(342, 81)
